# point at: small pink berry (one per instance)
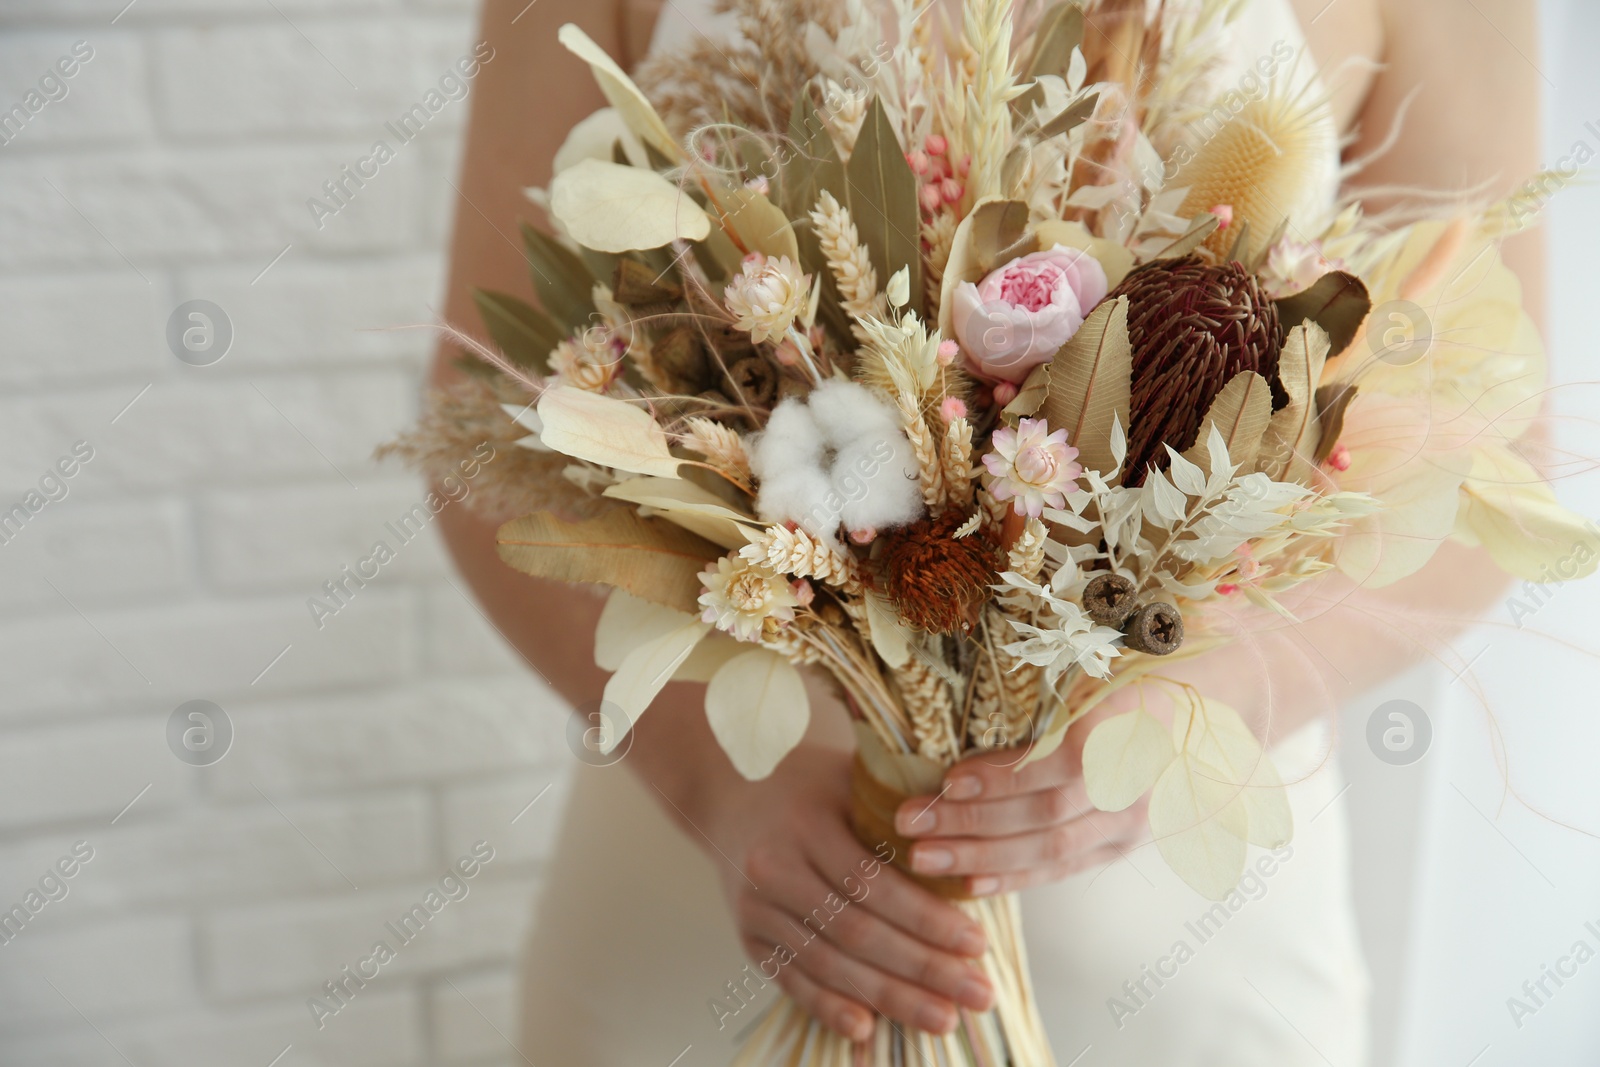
(803, 592)
(952, 408)
(786, 353)
(917, 160)
(1339, 458)
(965, 165)
(948, 351)
(1004, 393)
(931, 197)
(759, 184)
(1227, 589)
(936, 145)
(1225, 213)
(754, 259)
(951, 190)
(863, 537)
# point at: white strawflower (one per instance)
(767, 296)
(741, 597)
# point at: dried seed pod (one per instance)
(681, 360)
(1109, 599)
(636, 283)
(755, 379)
(1155, 628)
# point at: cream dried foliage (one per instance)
(849, 262)
(466, 415)
(986, 28)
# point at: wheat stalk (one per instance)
(797, 553)
(955, 457)
(848, 261)
(722, 448)
(930, 707)
(986, 27)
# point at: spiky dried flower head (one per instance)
(937, 581)
(1269, 162)
(1193, 326)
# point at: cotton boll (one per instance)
(876, 475)
(790, 440)
(846, 411)
(804, 496)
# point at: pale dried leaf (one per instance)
(1240, 414)
(613, 208)
(649, 558)
(644, 671)
(620, 91)
(1199, 825)
(1090, 384)
(1123, 757)
(603, 430)
(758, 710)
(691, 506)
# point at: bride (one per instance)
(674, 878)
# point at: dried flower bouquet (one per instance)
(956, 368)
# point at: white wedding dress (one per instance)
(633, 941)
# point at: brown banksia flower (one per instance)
(937, 581)
(1193, 326)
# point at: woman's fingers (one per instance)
(1015, 881)
(833, 969)
(998, 774)
(989, 818)
(1060, 844)
(866, 936)
(843, 1015)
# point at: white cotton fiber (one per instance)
(839, 455)
(845, 411)
(876, 475)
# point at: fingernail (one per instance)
(931, 860)
(972, 942)
(964, 788)
(859, 1027)
(935, 1020)
(915, 821)
(975, 994)
(982, 887)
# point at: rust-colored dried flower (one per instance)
(1193, 326)
(939, 582)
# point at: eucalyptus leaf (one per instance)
(619, 209)
(758, 710)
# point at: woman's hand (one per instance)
(844, 933)
(1001, 829)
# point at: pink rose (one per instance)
(1022, 313)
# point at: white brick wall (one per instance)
(379, 747)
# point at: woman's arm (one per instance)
(781, 846)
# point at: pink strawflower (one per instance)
(1033, 466)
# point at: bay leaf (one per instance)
(561, 279)
(1338, 302)
(883, 200)
(523, 333)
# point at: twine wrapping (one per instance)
(872, 809)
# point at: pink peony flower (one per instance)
(1022, 313)
(1032, 466)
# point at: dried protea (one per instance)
(1193, 327)
(938, 581)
